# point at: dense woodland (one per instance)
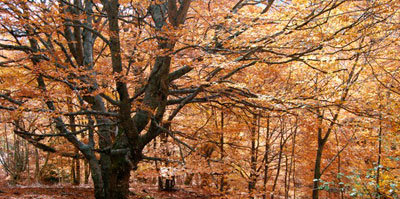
(235, 98)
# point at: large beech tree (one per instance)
(59, 39)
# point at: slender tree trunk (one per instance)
(290, 164)
(266, 157)
(253, 158)
(339, 167)
(27, 160)
(281, 144)
(287, 177)
(378, 170)
(277, 174)
(73, 173)
(317, 171)
(318, 158)
(77, 169)
(46, 161)
(321, 143)
(37, 166)
(221, 146)
(87, 172)
(293, 161)
(7, 145)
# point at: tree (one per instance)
(60, 49)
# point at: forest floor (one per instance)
(61, 191)
(78, 192)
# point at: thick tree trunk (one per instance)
(111, 181)
(111, 176)
(118, 187)
(97, 179)
(105, 162)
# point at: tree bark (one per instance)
(118, 187)
(281, 145)
(86, 172)
(253, 158)
(266, 157)
(37, 167)
(221, 147)
(317, 171)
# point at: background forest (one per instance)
(231, 98)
